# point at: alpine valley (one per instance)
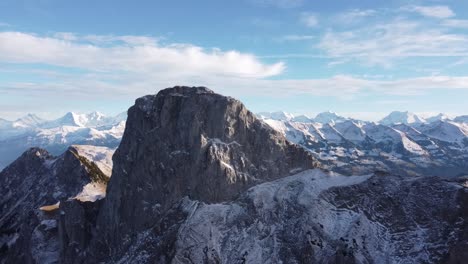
(193, 176)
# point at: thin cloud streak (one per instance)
(431, 11)
(131, 53)
(381, 44)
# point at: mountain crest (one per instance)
(190, 141)
(398, 117)
(328, 117)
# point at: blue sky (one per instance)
(358, 58)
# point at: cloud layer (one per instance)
(130, 53)
(348, 55)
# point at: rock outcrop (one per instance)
(189, 141)
(316, 217)
(32, 188)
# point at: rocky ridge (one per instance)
(32, 189)
(189, 141)
(198, 178)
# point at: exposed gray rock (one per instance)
(77, 221)
(189, 141)
(314, 217)
(31, 189)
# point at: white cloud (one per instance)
(309, 20)
(107, 88)
(130, 53)
(67, 36)
(431, 11)
(455, 23)
(110, 86)
(382, 44)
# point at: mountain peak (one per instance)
(461, 119)
(185, 90)
(278, 115)
(196, 143)
(72, 119)
(399, 117)
(96, 115)
(29, 120)
(302, 119)
(440, 116)
(329, 117)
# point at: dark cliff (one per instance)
(31, 190)
(189, 141)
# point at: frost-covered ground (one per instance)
(318, 217)
(101, 156)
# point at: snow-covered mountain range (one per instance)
(198, 178)
(401, 142)
(57, 135)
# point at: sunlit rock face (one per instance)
(190, 141)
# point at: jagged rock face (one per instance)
(37, 179)
(190, 141)
(314, 217)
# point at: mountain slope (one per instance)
(189, 141)
(328, 117)
(398, 117)
(315, 217)
(31, 190)
(30, 120)
(57, 135)
(357, 147)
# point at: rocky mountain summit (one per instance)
(32, 189)
(190, 141)
(198, 178)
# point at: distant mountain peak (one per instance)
(329, 117)
(461, 119)
(277, 115)
(71, 119)
(96, 115)
(29, 120)
(400, 117)
(302, 119)
(439, 117)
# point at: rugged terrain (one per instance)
(57, 135)
(32, 189)
(197, 178)
(401, 143)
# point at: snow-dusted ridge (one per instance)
(402, 137)
(402, 142)
(56, 135)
